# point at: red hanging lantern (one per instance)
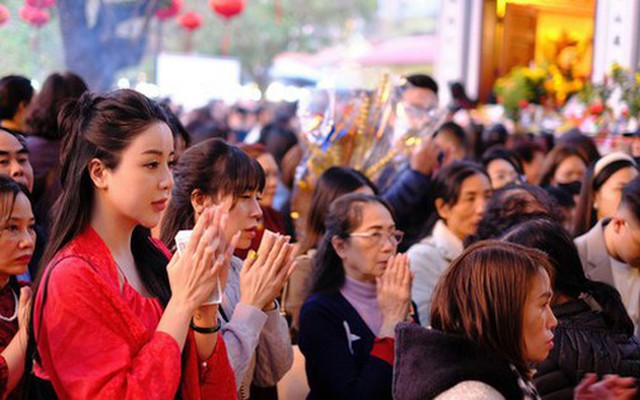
(190, 20)
(169, 10)
(227, 8)
(41, 3)
(4, 14)
(34, 16)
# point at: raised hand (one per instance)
(222, 248)
(425, 157)
(394, 293)
(24, 307)
(611, 387)
(264, 273)
(193, 274)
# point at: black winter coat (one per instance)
(584, 343)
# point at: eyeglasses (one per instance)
(417, 112)
(395, 236)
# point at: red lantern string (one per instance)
(226, 39)
(4, 14)
(169, 11)
(37, 17)
(278, 10)
(190, 21)
(227, 9)
(41, 3)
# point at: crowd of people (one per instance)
(493, 266)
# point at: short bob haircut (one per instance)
(215, 168)
(482, 296)
(345, 215)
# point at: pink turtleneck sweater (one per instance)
(363, 297)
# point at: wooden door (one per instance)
(519, 39)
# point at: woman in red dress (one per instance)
(112, 314)
(17, 242)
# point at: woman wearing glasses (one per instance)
(333, 183)
(17, 243)
(361, 292)
(460, 192)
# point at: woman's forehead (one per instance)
(375, 214)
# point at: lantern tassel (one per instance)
(160, 35)
(278, 11)
(35, 40)
(189, 42)
(226, 40)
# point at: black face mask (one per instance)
(571, 187)
(637, 160)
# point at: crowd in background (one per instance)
(495, 265)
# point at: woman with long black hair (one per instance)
(214, 173)
(112, 314)
(361, 291)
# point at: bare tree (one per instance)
(101, 37)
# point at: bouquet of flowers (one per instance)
(520, 88)
(628, 85)
(611, 107)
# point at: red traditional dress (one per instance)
(97, 341)
(8, 329)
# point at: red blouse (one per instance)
(98, 342)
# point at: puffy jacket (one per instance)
(584, 343)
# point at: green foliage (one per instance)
(594, 92)
(522, 86)
(629, 84)
(257, 35)
(26, 50)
